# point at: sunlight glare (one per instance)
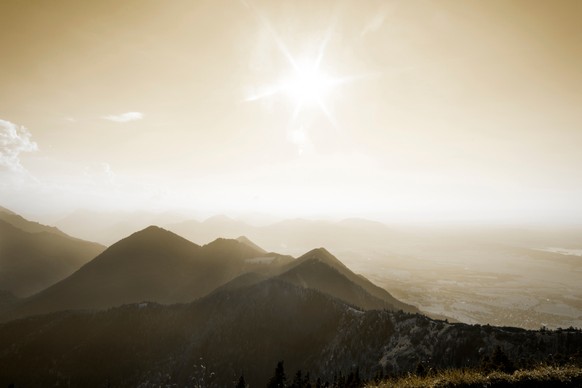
(307, 85)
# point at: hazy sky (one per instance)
(393, 110)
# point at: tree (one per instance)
(279, 379)
(297, 380)
(241, 382)
(353, 379)
(501, 361)
(498, 361)
(420, 369)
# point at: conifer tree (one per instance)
(279, 379)
(241, 382)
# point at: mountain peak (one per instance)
(153, 229)
(153, 236)
(323, 255)
(222, 243)
(245, 240)
(231, 248)
(319, 251)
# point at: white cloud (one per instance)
(14, 140)
(124, 117)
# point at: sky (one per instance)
(416, 111)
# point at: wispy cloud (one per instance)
(375, 22)
(100, 174)
(124, 117)
(14, 140)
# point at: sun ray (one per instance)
(327, 114)
(323, 45)
(278, 41)
(267, 92)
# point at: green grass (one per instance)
(542, 376)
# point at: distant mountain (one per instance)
(35, 256)
(150, 265)
(296, 236)
(211, 229)
(247, 331)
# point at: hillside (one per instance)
(320, 270)
(35, 256)
(7, 299)
(248, 331)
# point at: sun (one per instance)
(307, 85)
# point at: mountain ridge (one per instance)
(35, 256)
(25, 225)
(158, 265)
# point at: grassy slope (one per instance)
(542, 376)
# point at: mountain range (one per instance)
(159, 266)
(155, 309)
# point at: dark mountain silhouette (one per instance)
(243, 281)
(248, 329)
(159, 266)
(151, 265)
(320, 270)
(35, 256)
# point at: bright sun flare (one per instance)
(307, 85)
